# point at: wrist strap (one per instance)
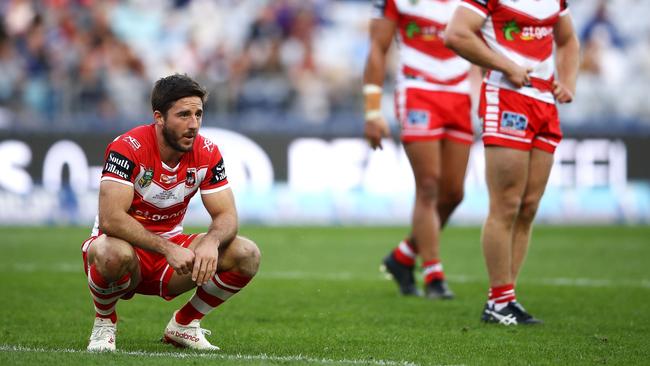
(372, 89)
(373, 114)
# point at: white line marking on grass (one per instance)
(70, 267)
(347, 276)
(219, 356)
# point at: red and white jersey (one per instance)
(522, 31)
(425, 62)
(161, 193)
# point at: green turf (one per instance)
(319, 299)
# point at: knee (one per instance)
(427, 187)
(528, 209)
(507, 208)
(113, 258)
(452, 198)
(247, 257)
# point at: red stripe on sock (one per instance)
(402, 258)
(104, 306)
(503, 294)
(187, 313)
(435, 275)
(112, 316)
(101, 283)
(207, 298)
(234, 279)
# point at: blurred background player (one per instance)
(138, 246)
(433, 109)
(521, 128)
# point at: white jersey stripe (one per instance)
(125, 182)
(437, 68)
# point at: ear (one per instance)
(158, 118)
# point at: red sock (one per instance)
(502, 295)
(207, 297)
(432, 270)
(405, 253)
(105, 294)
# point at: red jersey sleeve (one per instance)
(386, 9)
(215, 178)
(482, 7)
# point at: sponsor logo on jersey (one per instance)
(152, 216)
(218, 172)
(190, 177)
(426, 33)
(512, 32)
(514, 123)
(168, 179)
(135, 144)
(417, 117)
(208, 145)
(119, 165)
(145, 180)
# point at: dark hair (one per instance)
(171, 88)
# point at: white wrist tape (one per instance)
(373, 114)
(372, 89)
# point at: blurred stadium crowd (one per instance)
(90, 64)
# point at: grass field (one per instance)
(320, 300)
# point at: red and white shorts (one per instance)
(155, 272)
(514, 120)
(426, 115)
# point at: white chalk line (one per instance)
(72, 267)
(213, 355)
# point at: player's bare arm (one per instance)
(567, 57)
(461, 36)
(114, 202)
(381, 36)
(223, 229)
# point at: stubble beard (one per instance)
(172, 140)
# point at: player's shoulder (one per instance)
(135, 140)
(205, 149)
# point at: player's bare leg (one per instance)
(541, 163)
(507, 173)
(454, 159)
(113, 270)
(400, 262)
(237, 265)
(425, 160)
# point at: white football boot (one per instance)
(102, 338)
(187, 336)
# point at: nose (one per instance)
(195, 122)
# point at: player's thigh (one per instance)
(424, 157)
(506, 174)
(453, 159)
